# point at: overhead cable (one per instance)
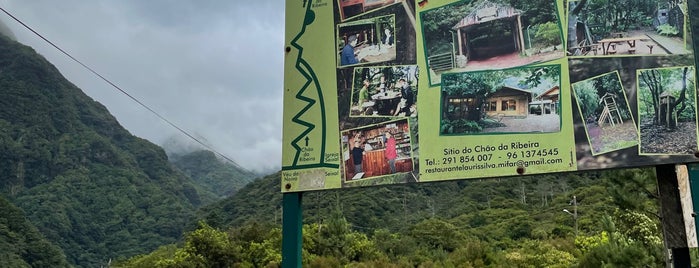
(124, 91)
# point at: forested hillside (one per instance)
(211, 173)
(509, 222)
(21, 244)
(85, 182)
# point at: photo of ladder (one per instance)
(610, 108)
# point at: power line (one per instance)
(124, 91)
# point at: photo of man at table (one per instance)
(378, 150)
(362, 41)
(384, 92)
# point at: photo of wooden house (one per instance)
(471, 30)
(485, 34)
(508, 101)
(500, 102)
(546, 102)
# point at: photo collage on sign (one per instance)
(491, 60)
(377, 82)
(632, 79)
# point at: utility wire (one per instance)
(124, 92)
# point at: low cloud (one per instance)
(214, 68)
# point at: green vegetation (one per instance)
(465, 95)
(656, 85)
(211, 173)
(99, 193)
(515, 222)
(85, 182)
(668, 30)
(549, 34)
(589, 94)
(605, 17)
(21, 244)
(437, 23)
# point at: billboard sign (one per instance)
(397, 91)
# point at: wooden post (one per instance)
(292, 230)
(671, 215)
(458, 37)
(667, 113)
(378, 32)
(693, 170)
(521, 35)
(409, 12)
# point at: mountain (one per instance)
(4, 30)
(212, 173)
(527, 221)
(396, 207)
(22, 245)
(258, 201)
(85, 182)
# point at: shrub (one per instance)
(667, 30)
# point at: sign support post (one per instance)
(671, 215)
(292, 230)
(693, 171)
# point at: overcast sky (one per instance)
(213, 67)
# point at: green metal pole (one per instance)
(292, 226)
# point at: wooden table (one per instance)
(386, 101)
(606, 43)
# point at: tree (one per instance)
(657, 82)
(478, 85)
(436, 233)
(619, 250)
(576, 8)
(588, 100)
(549, 34)
(208, 247)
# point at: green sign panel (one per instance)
(389, 91)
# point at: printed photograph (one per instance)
(610, 28)
(385, 91)
(483, 34)
(378, 150)
(366, 41)
(609, 124)
(667, 111)
(353, 8)
(583, 68)
(518, 100)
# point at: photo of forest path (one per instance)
(605, 139)
(499, 62)
(608, 121)
(657, 140)
(606, 28)
(540, 123)
(667, 110)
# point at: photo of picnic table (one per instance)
(607, 43)
(386, 101)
